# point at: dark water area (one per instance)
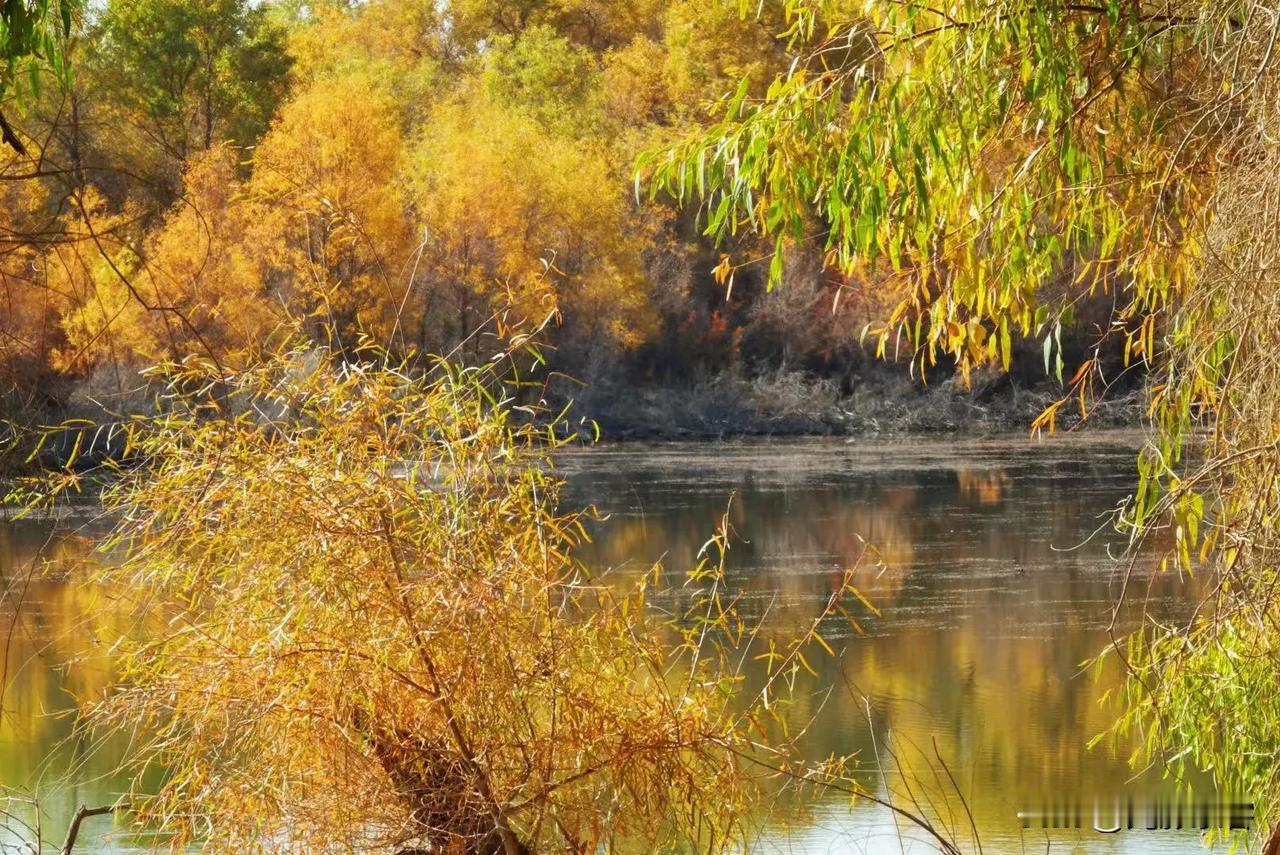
(964, 696)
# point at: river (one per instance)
(964, 699)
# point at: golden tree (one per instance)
(370, 631)
(202, 282)
(331, 163)
(555, 230)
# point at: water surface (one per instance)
(965, 696)
(998, 581)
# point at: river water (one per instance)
(964, 699)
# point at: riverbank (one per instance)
(789, 404)
(779, 404)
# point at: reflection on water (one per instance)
(57, 636)
(993, 596)
(991, 600)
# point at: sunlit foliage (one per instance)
(174, 77)
(711, 47)
(410, 184)
(535, 234)
(398, 48)
(32, 39)
(1007, 162)
(596, 24)
(331, 165)
(977, 153)
(1204, 692)
(210, 264)
(29, 330)
(375, 631)
(395, 169)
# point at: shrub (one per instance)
(369, 630)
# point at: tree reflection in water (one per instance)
(993, 595)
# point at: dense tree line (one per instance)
(220, 178)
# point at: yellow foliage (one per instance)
(331, 164)
(597, 24)
(387, 46)
(635, 88)
(200, 286)
(103, 318)
(377, 635)
(433, 165)
(523, 217)
(711, 46)
(29, 310)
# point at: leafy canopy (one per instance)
(32, 37)
(971, 157)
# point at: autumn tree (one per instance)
(29, 319)
(332, 164)
(170, 78)
(371, 630)
(33, 52)
(544, 75)
(404, 170)
(595, 24)
(209, 279)
(555, 231)
(711, 47)
(397, 48)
